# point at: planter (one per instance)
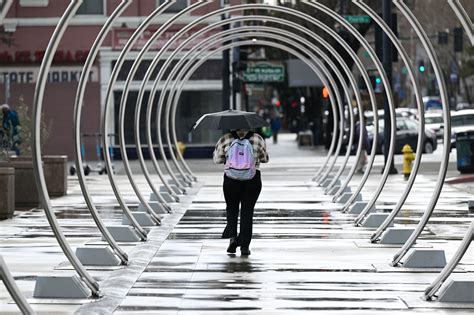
(26, 194)
(55, 173)
(7, 192)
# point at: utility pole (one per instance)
(387, 59)
(225, 64)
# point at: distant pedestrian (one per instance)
(242, 151)
(362, 162)
(10, 126)
(276, 126)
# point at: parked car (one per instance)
(407, 133)
(432, 103)
(399, 113)
(462, 120)
(461, 106)
(434, 121)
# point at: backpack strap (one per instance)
(234, 134)
(248, 135)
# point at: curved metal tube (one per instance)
(421, 128)
(187, 27)
(388, 92)
(78, 104)
(184, 58)
(431, 290)
(13, 289)
(148, 125)
(298, 27)
(176, 80)
(447, 129)
(272, 44)
(123, 105)
(311, 20)
(104, 118)
(188, 40)
(464, 18)
(36, 146)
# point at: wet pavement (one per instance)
(307, 256)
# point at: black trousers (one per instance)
(243, 194)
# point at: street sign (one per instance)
(357, 19)
(264, 72)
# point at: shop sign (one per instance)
(55, 75)
(27, 56)
(264, 72)
(120, 37)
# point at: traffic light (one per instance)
(421, 66)
(458, 39)
(325, 93)
(443, 38)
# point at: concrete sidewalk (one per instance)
(307, 257)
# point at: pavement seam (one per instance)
(116, 287)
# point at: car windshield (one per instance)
(434, 120)
(462, 120)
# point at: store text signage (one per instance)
(122, 35)
(56, 74)
(264, 72)
(26, 56)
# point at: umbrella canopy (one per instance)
(230, 119)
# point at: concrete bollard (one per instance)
(7, 192)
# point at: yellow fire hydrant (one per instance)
(408, 157)
(181, 147)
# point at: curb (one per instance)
(460, 179)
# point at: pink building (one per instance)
(27, 26)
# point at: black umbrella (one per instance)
(230, 119)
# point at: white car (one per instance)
(434, 121)
(462, 120)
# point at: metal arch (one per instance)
(276, 20)
(388, 92)
(184, 57)
(13, 289)
(168, 108)
(234, 8)
(36, 146)
(464, 18)
(241, 43)
(431, 290)
(79, 102)
(122, 108)
(149, 135)
(419, 103)
(308, 18)
(104, 116)
(447, 129)
(246, 18)
(188, 40)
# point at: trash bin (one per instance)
(464, 151)
(305, 138)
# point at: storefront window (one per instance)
(91, 7)
(178, 6)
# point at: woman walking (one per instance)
(242, 151)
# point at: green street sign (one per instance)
(357, 19)
(264, 72)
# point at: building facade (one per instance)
(26, 27)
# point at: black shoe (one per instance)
(245, 251)
(233, 244)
